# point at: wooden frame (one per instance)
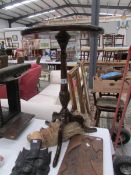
(76, 90)
(84, 70)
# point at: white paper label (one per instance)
(63, 81)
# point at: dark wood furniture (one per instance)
(103, 101)
(3, 61)
(65, 116)
(107, 40)
(119, 40)
(12, 120)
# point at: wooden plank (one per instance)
(111, 63)
(15, 126)
(84, 156)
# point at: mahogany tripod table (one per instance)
(65, 116)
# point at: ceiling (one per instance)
(24, 10)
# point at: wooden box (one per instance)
(111, 86)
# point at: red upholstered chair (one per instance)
(27, 83)
(3, 93)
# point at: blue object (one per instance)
(111, 75)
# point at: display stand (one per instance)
(64, 116)
(12, 120)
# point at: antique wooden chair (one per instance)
(119, 40)
(107, 40)
(104, 102)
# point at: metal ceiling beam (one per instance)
(14, 2)
(64, 16)
(80, 4)
(64, 6)
(58, 6)
(68, 3)
(71, 5)
(72, 14)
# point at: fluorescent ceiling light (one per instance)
(18, 4)
(39, 14)
(52, 18)
(110, 14)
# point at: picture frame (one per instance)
(14, 37)
(15, 45)
(8, 42)
(75, 88)
(85, 76)
(53, 53)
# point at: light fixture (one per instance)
(109, 14)
(38, 14)
(55, 17)
(18, 4)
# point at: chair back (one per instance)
(28, 82)
(3, 92)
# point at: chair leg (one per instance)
(97, 117)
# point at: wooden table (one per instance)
(51, 64)
(110, 63)
(111, 49)
(87, 49)
(116, 49)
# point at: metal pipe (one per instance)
(93, 43)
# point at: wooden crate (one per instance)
(111, 86)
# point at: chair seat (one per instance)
(105, 102)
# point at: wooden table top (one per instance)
(111, 49)
(110, 63)
(86, 48)
(116, 49)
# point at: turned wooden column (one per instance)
(63, 38)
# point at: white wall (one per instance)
(111, 27)
(1, 35)
(3, 24)
(19, 37)
(9, 34)
(17, 25)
